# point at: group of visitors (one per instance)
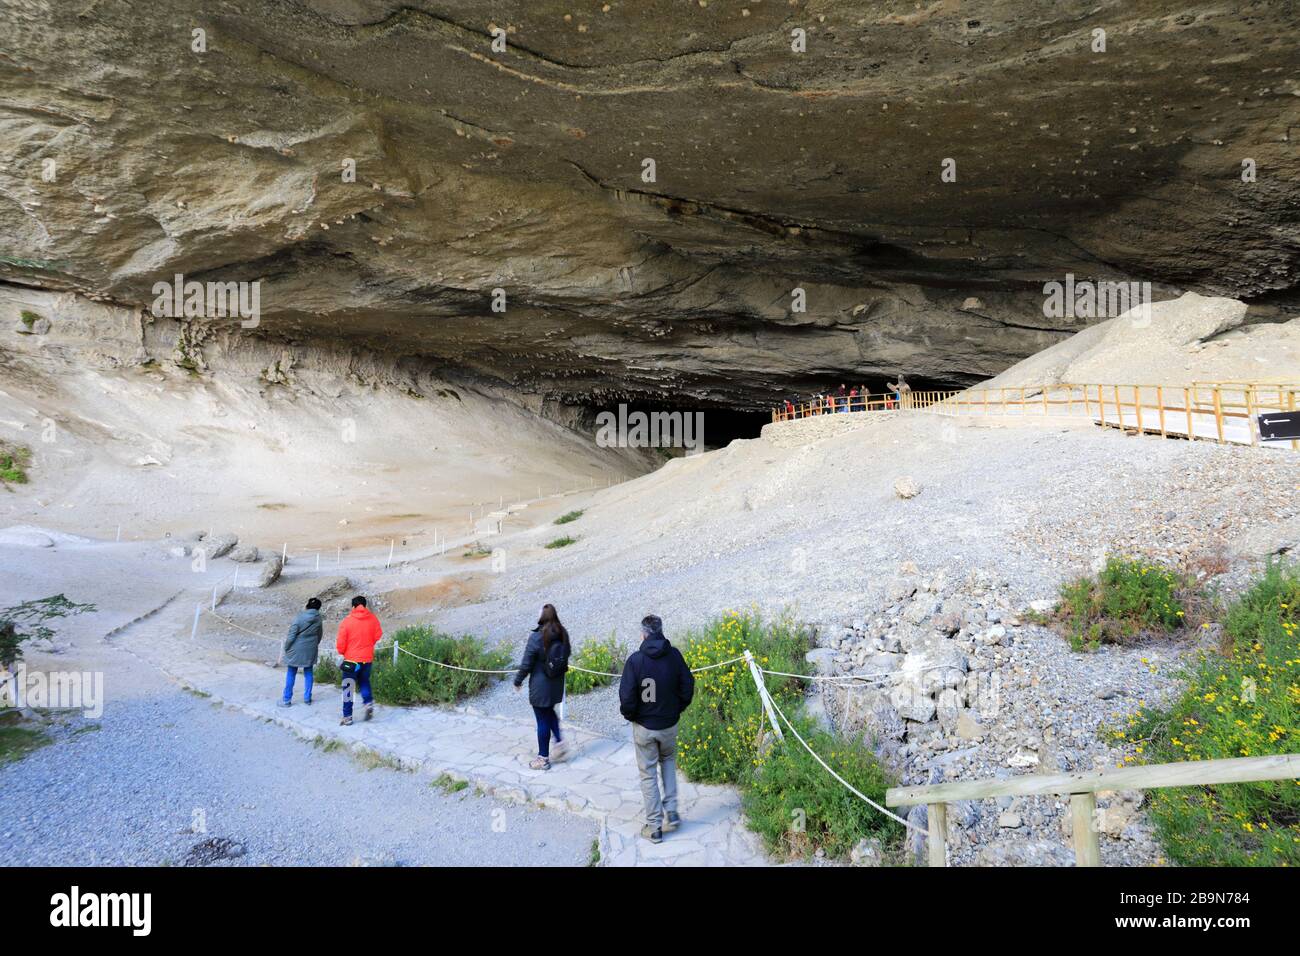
(845, 399)
(358, 634)
(655, 688)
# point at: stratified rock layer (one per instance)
(523, 170)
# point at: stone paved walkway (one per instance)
(599, 778)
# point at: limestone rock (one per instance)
(270, 570)
(218, 546)
(906, 487)
(867, 852)
(245, 555)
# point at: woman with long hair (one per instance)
(546, 658)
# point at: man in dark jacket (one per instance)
(657, 687)
(301, 648)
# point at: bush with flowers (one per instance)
(724, 737)
(1129, 598)
(1241, 701)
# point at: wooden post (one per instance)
(1137, 405)
(1291, 407)
(1251, 405)
(1160, 400)
(936, 815)
(1087, 851)
(1218, 413)
(1119, 409)
(1187, 404)
(1045, 388)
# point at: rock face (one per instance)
(381, 169)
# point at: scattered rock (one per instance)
(245, 555)
(26, 538)
(867, 853)
(218, 546)
(271, 570)
(906, 487)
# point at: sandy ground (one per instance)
(337, 449)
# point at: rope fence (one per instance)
(773, 709)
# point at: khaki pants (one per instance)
(656, 755)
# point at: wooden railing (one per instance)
(1223, 412)
(1082, 790)
(831, 404)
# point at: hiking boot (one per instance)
(539, 763)
(307, 701)
(653, 834)
(671, 822)
(370, 711)
(560, 750)
(345, 722)
(286, 703)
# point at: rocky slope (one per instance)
(130, 156)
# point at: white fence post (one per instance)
(762, 693)
(391, 544)
(194, 631)
(396, 644)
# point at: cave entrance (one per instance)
(719, 425)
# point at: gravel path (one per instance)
(124, 790)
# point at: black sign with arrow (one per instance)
(1279, 426)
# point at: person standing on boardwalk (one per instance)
(301, 648)
(359, 632)
(546, 660)
(656, 688)
(902, 391)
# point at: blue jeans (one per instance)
(291, 673)
(360, 675)
(548, 723)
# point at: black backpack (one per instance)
(556, 663)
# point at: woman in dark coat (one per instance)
(301, 648)
(544, 691)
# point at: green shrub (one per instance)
(562, 542)
(17, 742)
(1243, 701)
(14, 462)
(724, 737)
(719, 736)
(412, 681)
(570, 516)
(607, 656)
(1128, 599)
(796, 806)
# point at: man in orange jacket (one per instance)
(359, 632)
